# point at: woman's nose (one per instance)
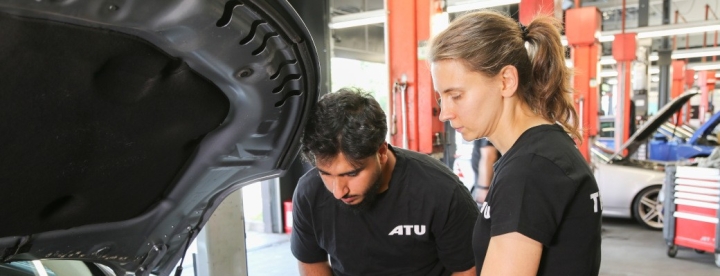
(445, 114)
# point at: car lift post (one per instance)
(706, 81)
(624, 51)
(581, 26)
(409, 26)
(678, 87)
(689, 83)
(528, 9)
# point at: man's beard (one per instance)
(368, 199)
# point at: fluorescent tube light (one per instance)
(677, 54)
(662, 30)
(476, 5)
(608, 73)
(358, 19)
(704, 66)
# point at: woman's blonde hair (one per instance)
(486, 41)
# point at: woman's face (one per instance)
(471, 101)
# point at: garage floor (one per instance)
(628, 249)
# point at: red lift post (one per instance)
(689, 82)
(624, 51)
(528, 9)
(409, 28)
(706, 81)
(678, 86)
(581, 26)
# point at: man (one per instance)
(375, 209)
(483, 157)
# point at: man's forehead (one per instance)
(339, 164)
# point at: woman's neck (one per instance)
(515, 119)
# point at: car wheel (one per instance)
(647, 208)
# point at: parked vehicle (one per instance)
(703, 141)
(126, 123)
(630, 187)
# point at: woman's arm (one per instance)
(512, 254)
(314, 269)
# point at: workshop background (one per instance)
(630, 59)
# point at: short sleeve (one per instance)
(530, 197)
(303, 242)
(454, 242)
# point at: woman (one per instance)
(509, 83)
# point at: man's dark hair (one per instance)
(350, 121)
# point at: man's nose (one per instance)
(340, 188)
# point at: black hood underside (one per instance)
(126, 123)
(93, 120)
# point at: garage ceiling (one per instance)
(368, 42)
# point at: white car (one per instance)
(630, 188)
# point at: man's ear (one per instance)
(383, 152)
(509, 77)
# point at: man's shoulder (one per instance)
(309, 185)
(427, 177)
(419, 166)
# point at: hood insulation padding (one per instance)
(96, 125)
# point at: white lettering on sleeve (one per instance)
(594, 196)
(485, 210)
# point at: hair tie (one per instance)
(524, 31)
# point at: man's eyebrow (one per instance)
(355, 171)
(345, 173)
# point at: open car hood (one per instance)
(705, 129)
(648, 129)
(126, 123)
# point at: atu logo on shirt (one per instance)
(408, 230)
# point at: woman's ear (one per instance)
(509, 78)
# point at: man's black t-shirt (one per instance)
(421, 225)
(544, 189)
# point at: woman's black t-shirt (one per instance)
(544, 189)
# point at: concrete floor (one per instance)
(628, 249)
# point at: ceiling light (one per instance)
(358, 19)
(662, 30)
(704, 66)
(677, 54)
(654, 70)
(608, 73)
(476, 5)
